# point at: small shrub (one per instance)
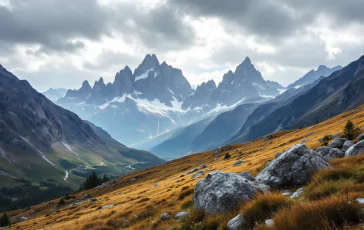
(349, 130)
(227, 156)
(331, 213)
(4, 220)
(212, 225)
(185, 193)
(263, 207)
(61, 202)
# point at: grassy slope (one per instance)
(141, 202)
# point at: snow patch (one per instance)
(144, 75)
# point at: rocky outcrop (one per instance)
(294, 167)
(329, 153)
(356, 149)
(219, 191)
(247, 176)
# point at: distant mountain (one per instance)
(337, 93)
(55, 94)
(140, 106)
(40, 140)
(313, 75)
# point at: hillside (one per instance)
(40, 141)
(142, 196)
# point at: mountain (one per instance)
(337, 93)
(55, 94)
(139, 107)
(40, 141)
(313, 75)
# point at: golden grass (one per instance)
(131, 213)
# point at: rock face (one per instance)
(337, 143)
(356, 149)
(347, 145)
(219, 191)
(236, 223)
(294, 167)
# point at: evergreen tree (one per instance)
(4, 220)
(105, 178)
(349, 130)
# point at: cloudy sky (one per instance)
(60, 43)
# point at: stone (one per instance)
(269, 223)
(360, 200)
(336, 135)
(286, 193)
(86, 196)
(304, 141)
(360, 137)
(107, 206)
(236, 223)
(238, 162)
(203, 166)
(165, 216)
(181, 215)
(93, 200)
(294, 167)
(219, 191)
(297, 193)
(198, 174)
(192, 171)
(155, 185)
(337, 143)
(23, 218)
(329, 153)
(178, 181)
(132, 179)
(356, 149)
(247, 176)
(347, 145)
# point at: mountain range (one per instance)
(138, 108)
(42, 141)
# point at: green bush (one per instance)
(4, 220)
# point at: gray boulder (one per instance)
(337, 143)
(107, 206)
(220, 191)
(269, 223)
(203, 166)
(198, 174)
(336, 135)
(360, 137)
(329, 153)
(247, 176)
(297, 193)
(356, 149)
(347, 145)
(236, 223)
(294, 167)
(192, 171)
(181, 215)
(23, 218)
(286, 193)
(238, 162)
(165, 216)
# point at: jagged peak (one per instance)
(247, 61)
(151, 58)
(85, 83)
(322, 67)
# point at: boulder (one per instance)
(329, 153)
(336, 135)
(347, 145)
(23, 218)
(337, 143)
(297, 193)
(286, 193)
(107, 206)
(268, 137)
(192, 171)
(247, 176)
(269, 223)
(238, 162)
(203, 166)
(294, 167)
(165, 216)
(304, 141)
(360, 200)
(220, 191)
(360, 137)
(86, 196)
(198, 174)
(181, 215)
(356, 149)
(236, 223)
(132, 179)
